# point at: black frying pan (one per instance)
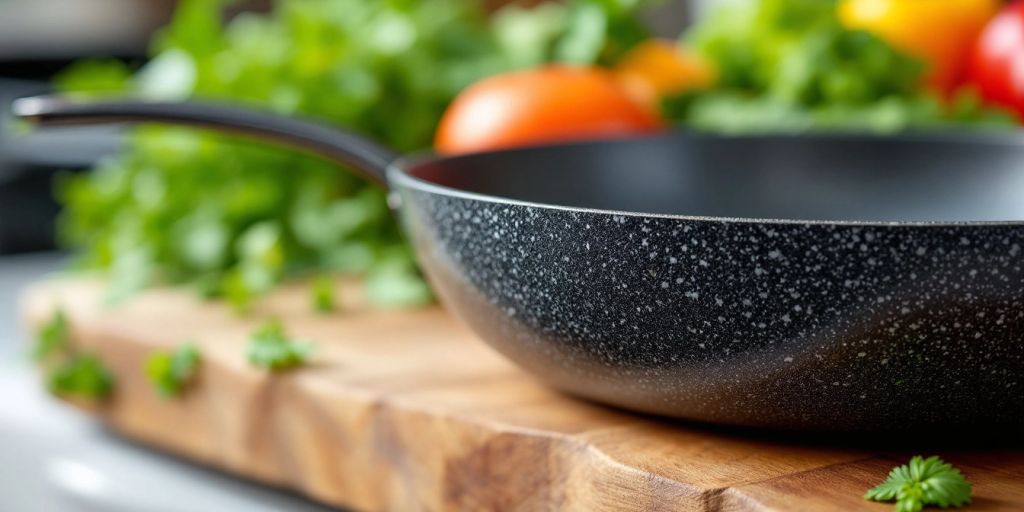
(813, 282)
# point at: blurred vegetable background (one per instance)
(233, 218)
(792, 65)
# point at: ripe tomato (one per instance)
(549, 104)
(997, 62)
(940, 32)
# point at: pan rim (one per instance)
(400, 171)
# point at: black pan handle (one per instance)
(363, 155)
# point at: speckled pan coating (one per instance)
(768, 324)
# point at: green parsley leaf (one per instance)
(923, 482)
(52, 337)
(171, 372)
(81, 376)
(271, 349)
(322, 294)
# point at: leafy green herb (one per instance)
(70, 372)
(790, 65)
(322, 294)
(52, 337)
(270, 348)
(921, 483)
(81, 376)
(171, 372)
(232, 218)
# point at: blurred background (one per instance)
(40, 38)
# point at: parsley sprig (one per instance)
(52, 337)
(270, 348)
(322, 294)
(70, 373)
(171, 372)
(81, 376)
(923, 482)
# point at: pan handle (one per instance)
(365, 156)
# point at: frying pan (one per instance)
(826, 282)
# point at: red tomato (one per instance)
(549, 104)
(997, 61)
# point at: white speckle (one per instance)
(664, 284)
(774, 254)
(921, 251)
(788, 359)
(679, 280)
(785, 318)
(692, 295)
(861, 354)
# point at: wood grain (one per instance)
(409, 411)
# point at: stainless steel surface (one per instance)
(53, 459)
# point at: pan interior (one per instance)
(814, 178)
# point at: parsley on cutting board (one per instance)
(170, 372)
(69, 372)
(921, 483)
(270, 348)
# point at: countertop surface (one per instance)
(55, 459)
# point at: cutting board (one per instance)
(410, 411)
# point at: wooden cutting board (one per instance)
(409, 411)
